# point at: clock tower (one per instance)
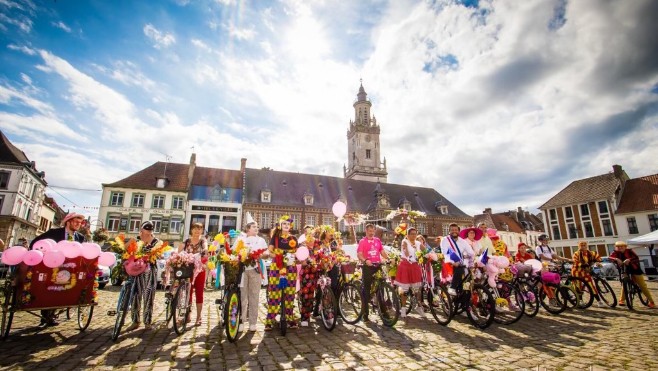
(363, 149)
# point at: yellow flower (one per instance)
(211, 265)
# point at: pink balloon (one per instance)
(302, 253)
(107, 259)
(72, 249)
(339, 209)
(33, 257)
(90, 250)
(13, 255)
(60, 245)
(42, 245)
(53, 258)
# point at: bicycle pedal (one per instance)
(111, 312)
(219, 301)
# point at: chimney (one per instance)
(190, 170)
(617, 170)
(487, 211)
(243, 164)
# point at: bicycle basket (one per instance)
(185, 271)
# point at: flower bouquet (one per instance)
(394, 259)
(182, 264)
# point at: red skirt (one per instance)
(409, 275)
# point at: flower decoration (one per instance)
(182, 259)
(287, 218)
(412, 214)
(292, 243)
(354, 218)
(219, 237)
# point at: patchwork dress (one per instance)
(280, 267)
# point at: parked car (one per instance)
(103, 276)
(608, 268)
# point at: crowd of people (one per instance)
(460, 251)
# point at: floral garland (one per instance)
(354, 219)
(413, 214)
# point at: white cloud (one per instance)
(23, 49)
(23, 23)
(201, 45)
(241, 33)
(62, 26)
(161, 39)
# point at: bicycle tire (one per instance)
(516, 304)
(584, 292)
(350, 303)
(7, 313)
(605, 292)
(531, 299)
(122, 309)
(169, 298)
(328, 309)
(389, 304)
(181, 307)
(232, 314)
(628, 292)
(481, 311)
(84, 316)
(560, 304)
(440, 305)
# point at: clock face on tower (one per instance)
(368, 138)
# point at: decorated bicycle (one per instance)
(51, 279)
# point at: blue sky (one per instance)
(493, 103)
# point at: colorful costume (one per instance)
(309, 281)
(146, 287)
(281, 267)
(635, 271)
(500, 249)
(582, 265)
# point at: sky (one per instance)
(495, 104)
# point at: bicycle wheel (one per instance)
(283, 323)
(349, 303)
(181, 307)
(570, 295)
(169, 299)
(84, 316)
(513, 308)
(482, 306)
(584, 292)
(122, 309)
(643, 299)
(232, 314)
(7, 313)
(328, 309)
(530, 298)
(605, 292)
(440, 305)
(555, 305)
(629, 292)
(389, 304)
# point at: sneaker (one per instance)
(403, 312)
(622, 303)
(133, 326)
(420, 311)
(652, 306)
(452, 291)
(304, 323)
(241, 328)
(600, 304)
(268, 327)
(252, 328)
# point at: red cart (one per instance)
(31, 289)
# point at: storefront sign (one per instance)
(214, 208)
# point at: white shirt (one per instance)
(408, 251)
(254, 243)
(465, 249)
(544, 252)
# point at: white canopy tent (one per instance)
(647, 239)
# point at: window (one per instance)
(177, 203)
(589, 231)
(603, 207)
(265, 220)
(157, 223)
(4, 179)
(444, 210)
(556, 232)
(2, 201)
(584, 210)
(446, 229)
(135, 223)
(138, 200)
(34, 192)
(158, 201)
(44, 224)
(328, 220)
(113, 223)
(573, 232)
(568, 212)
(422, 228)
(310, 220)
(607, 227)
(367, 153)
(175, 226)
(653, 222)
(553, 214)
(308, 200)
(632, 225)
(265, 196)
(116, 199)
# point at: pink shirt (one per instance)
(371, 249)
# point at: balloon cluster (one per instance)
(53, 254)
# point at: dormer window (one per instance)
(308, 199)
(443, 209)
(266, 196)
(161, 182)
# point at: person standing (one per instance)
(250, 286)
(627, 257)
(459, 254)
(197, 244)
(369, 252)
(72, 222)
(409, 274)
(281, 244)
(146, 282)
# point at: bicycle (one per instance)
(524, 283)
(349, 294)
(603, 289)
(476, 299)
(328, 306)
(508, 295)
(439, 302)
(630, 288)
(579, 294)
(552, 295)
(384, 298)
(177, 299)
(126, 299)
(229, 305)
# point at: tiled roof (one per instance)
(208, 176)
(10, 153)
(499, 220)
(640, 194)
(584, 190)
(146, 178)
(288, 189)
